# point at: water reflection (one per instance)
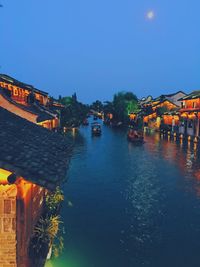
(132, 205)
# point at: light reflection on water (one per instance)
(132, 205)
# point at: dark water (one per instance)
(131, 206)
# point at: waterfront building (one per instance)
(190, 114)
(33, 162)
(28, 102)
(155, 110)
(170, 121)
(145, 101)
(173, 98)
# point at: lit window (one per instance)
(15, 91)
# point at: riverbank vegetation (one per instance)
(47, 234)
(73, 113)
(119, 109)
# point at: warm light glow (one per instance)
(24, 187)
(132, 116)
(3, 176)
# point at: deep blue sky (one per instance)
(99, 47)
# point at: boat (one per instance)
(96, 129)
(135, 137)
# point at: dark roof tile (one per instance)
(33, 152)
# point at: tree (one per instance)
(66, 101)
(124, 103)
(74, 97)
(97, 106)
(108, 107)
(74, 112)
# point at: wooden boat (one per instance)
(96, 129)
(135, 137)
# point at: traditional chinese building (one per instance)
(190, 114)
(170, 122)
(173, 98)
(27, 102)
(33, 160)
(155, 111)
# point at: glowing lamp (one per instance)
(132, 116)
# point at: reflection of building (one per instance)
(33, 160)
(27, 102)
(190, 114)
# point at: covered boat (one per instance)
(96, 129)
(135, 136)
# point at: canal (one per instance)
(131, 206)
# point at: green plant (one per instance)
(53, 201)
(46, 234)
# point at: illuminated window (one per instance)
(15, 92)
(183, 104)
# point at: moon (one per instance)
(150, 15)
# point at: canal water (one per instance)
(131, 206)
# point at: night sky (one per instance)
(99, 47)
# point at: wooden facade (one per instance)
(20, 95)
(190, 115)
(154, 119)
(33, 162)
(21, 204)
(15, 97)
(12, 107)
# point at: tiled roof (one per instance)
(9, 79)
(163, 97)
(193, 95)
(164, 100)
(173, 94)
(33, 152)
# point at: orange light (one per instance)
(132, 116)
(184, 115)
(192, 116)
(23, 187)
